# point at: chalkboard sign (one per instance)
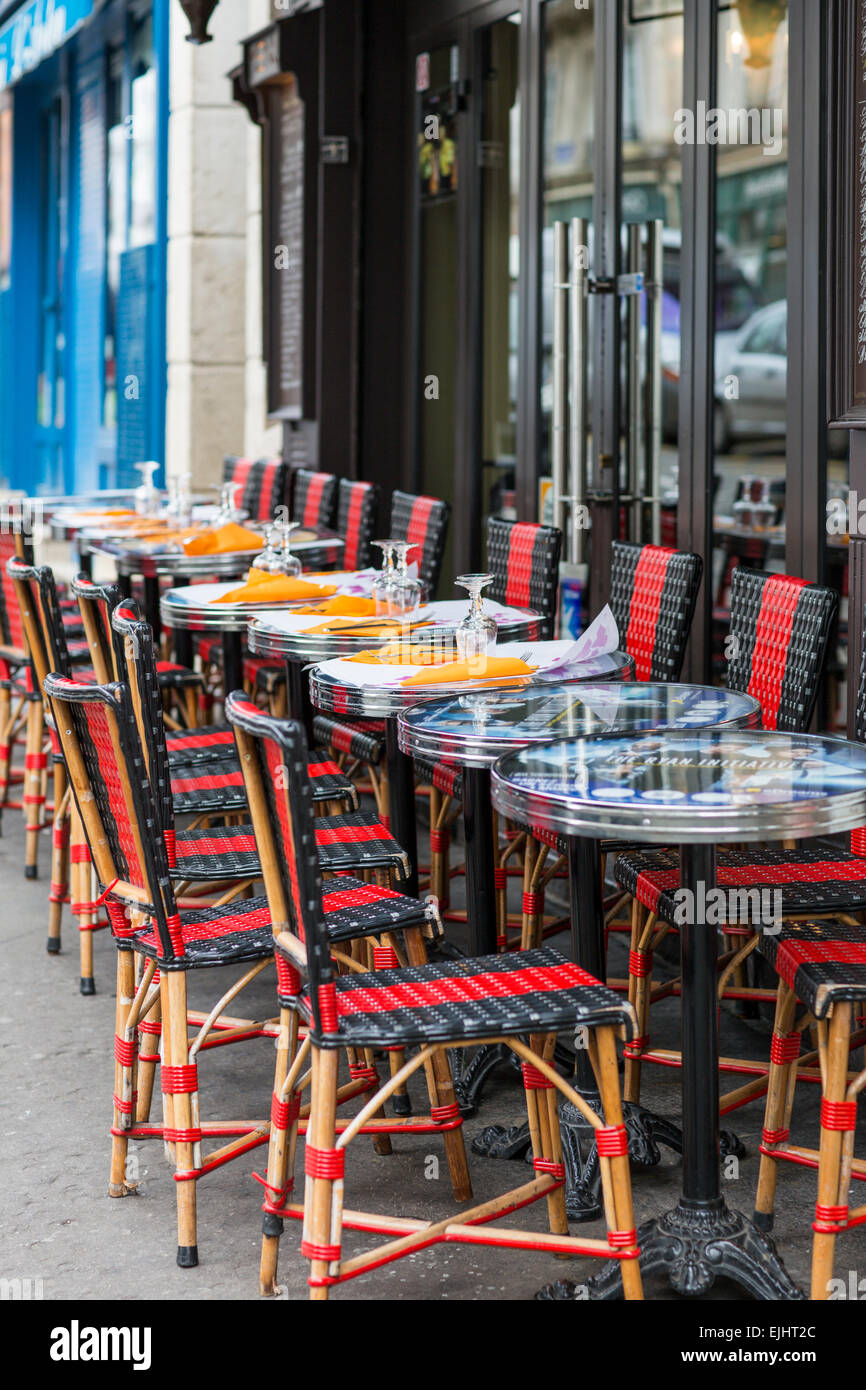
(286, 269)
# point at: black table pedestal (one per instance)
(233, 662)
(701, 1239)
(401, 804)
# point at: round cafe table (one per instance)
(277, 636)
(315, 547)
(332, 691)
(474, 731)
(696, 789)
(193, 608)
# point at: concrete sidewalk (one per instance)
(59, 1226)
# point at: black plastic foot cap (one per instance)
(187, 1256)
(52, 945)
(763, 1220)
(402, 1105)
(87, 985)
(31, 870)
(272, 1225)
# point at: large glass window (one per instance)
(567, 153)
(499, 157)
(142, 220)
(5, 193)
(116, 216)
(750, 128)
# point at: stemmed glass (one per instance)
(180, 501)
(148, 498)
(405, 593)
(382, 583)
(229, 509)
(476, 633)
(277, 557)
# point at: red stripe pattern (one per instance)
(520, 551)
(649, 582)
(779, 600)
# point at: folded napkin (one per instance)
(405, 654)
(352, 627)
(346, 606)
(487, 668)
(279, 588)
(224, 540)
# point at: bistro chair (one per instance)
(653, 592)
(265, 484)
(356, 840)
(21, 710)
(314, 498)
(196, 746)
(780, 628)
(424, 522)
(109, 781)
(423, 1006)
(357, 518)
(823, 965)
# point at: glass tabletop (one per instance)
(476, 729)
(687, 787)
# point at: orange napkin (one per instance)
(345, 605)
(410, 654)
(225, 540)
(493, 668)
(355, 627)
(280, 588)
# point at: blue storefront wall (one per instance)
(62, 427)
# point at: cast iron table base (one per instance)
(694, 1246)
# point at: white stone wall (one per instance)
(216, 396)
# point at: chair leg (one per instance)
(321, 1243)
(124, 1078)
(150, 1031)
(59, 859)
(440, 1086)
(639, 990)
(7, 724)
(830, 1158)
(281, 1151)
(775, 1128)
(34, 796)
(543, 1115)
(184, 1095)
(619, 1208)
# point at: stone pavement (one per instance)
(58, 1225)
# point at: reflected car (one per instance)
(752, 383)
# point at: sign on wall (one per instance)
(36, 31)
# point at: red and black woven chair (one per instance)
(314, 498)
(265, 484)
(96, 602)
(423, 1006)
(424, 522)
(357, 518)
(107, 774)
(354, 841)
(524, 562)
(823, 965)
(653, 591)
(780, 627)
(194, 747)
(21, 712)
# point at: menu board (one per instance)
(286, 253)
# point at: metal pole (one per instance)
(633, 385)
(559, 423)
(579, 347)
(653, 388)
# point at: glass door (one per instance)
(51, 380)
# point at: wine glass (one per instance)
(179, 508)
(229, 509)
(277, 557)
(405, 592)
(148, 498)
(476, 633)
(382, 583)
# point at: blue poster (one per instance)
(36, 31)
